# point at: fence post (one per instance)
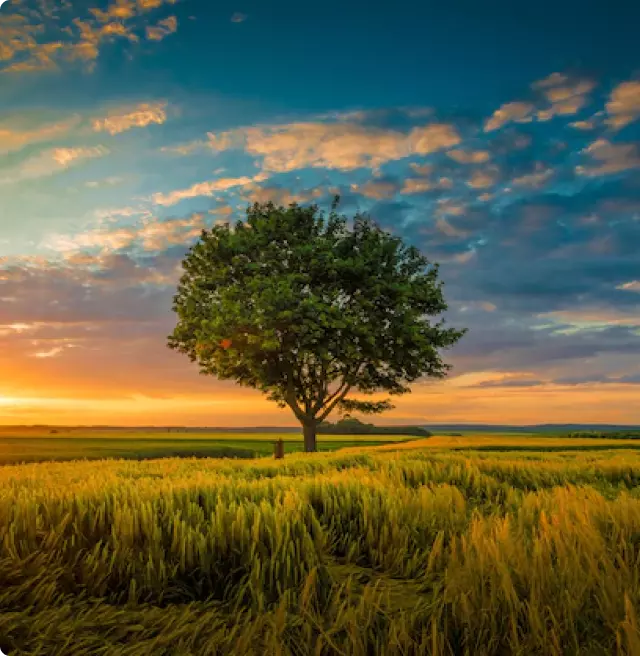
(278, 450)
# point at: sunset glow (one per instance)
(120, 141)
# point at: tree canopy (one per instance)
(308, 310)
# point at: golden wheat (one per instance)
(370, 552)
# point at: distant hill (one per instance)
(534, 428)
(398, 430)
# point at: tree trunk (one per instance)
(309, 432)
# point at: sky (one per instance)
(501, 138)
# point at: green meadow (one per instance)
(424, 547)
(41, 445)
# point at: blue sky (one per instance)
(501, 139)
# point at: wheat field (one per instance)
(405, 551)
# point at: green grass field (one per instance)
(42, 446)
(393, 550)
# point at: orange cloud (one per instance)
(15, 136)
(345, 145)
(482, 179)
(50, 162)
(137, 117)
(420, 185)
(612, 158)
(624, 104)
(565, 96)
(162, 29)
(533, 180)
(152, 235)
(467, 157)
(583, 125)
(26, 46)
(202, 189)
(517, 112)
(254, 193)
(376, 189)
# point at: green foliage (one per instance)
(306, 310)
(352, 426)
(410, 552)
(613, 435)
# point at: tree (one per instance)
(307, 310)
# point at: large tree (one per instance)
(308, 310)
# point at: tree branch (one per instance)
(333, 404)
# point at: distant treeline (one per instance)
(352, 426)
(613, 435)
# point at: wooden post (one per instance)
(278, 450)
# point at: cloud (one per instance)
(624, 104)
(422, 169)
(632, 286)
(42, 38)
(482, 179)
(467, 157)
(207, 188)
(15, 135)
(416, 185)
(152, 235)
(553, 80)
(517, 112)
(589, 319)
(612, 158)
(533, 180)
(50, 162)
(137, 117)
(376, 189)
(51, 353)
(342, 145)
(562, 95)
(162, 29)
(447, 229)
(105, 182)
(238, 17)
(282, 196)
(583, 125)
(510, 382)
(421, 185)
(565, 96)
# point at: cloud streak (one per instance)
(140, 116)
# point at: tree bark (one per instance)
(309, 432)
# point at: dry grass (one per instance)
(405, 552)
